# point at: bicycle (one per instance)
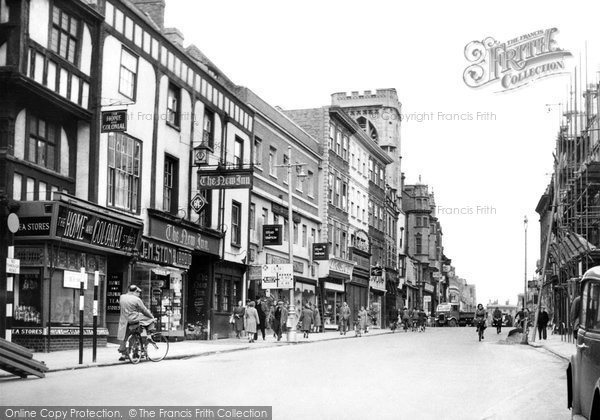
(480, 328)
(154, 348)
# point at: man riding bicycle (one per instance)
(133, 311)
(480, 315)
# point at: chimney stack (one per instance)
(155, 9)
(174, 35)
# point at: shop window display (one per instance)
(162, 294)
(27, 298)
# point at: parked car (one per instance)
(583, 373)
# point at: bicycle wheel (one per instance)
(157, 347)
(134, 348)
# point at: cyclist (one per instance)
(498, 319)
(133, 311)
(480, 316)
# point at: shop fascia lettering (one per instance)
(182, 237)
(103, 232)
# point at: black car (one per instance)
(583, 373)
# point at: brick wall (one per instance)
(38, 343)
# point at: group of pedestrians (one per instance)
(258, 315)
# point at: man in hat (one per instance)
(133, 311)
(542, 323)
(280, 320)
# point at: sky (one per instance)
(487, 170)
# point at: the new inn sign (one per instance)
(224, 180)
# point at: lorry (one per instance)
(453, 314)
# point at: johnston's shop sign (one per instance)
(85, 227)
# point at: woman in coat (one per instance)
(362, 319)
(262, 317)
(317, 319)
(238, 317)
(306, 320)
(251, 321)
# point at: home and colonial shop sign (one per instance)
(85, 227)
(114, 121)
(114, 290)
(224, 180)
(183, 236)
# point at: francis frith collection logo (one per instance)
(514, 63)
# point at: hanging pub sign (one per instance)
(114, 121)
(320, 252)
(272, 234)
(224, 179)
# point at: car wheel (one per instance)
(452, 323)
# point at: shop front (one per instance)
(358, 286)
(333, 276)
(164, 259)
(376, 297)
(62, 244)
(175, 271)
(428, 298)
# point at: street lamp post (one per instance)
(291, 335)
(526, 320)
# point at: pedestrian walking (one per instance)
(251, 321)
(415, 319)
(497, 316)
(405, 318)
(306, 319)
(280, 320)
(363, 317)
(238, 317)
(344, 318)
(317, 316)
(542, 323)
(393, 319)
(262, 319)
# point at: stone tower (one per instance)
(379, 114)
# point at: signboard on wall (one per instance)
(320, 251)
(114, 288)
(73, 279)
(225, 180)
(272, 234)
(85, 227)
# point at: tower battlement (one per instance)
(381, 97)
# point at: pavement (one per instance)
(109, 355)
(556, 344)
